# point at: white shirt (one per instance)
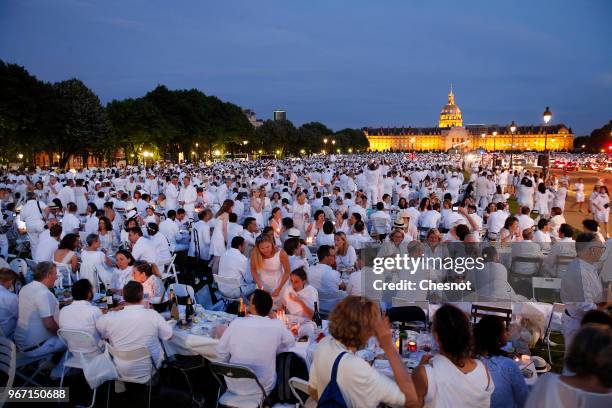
(254, 341)
(144, 250)
(232, 265)
(324, 278)
(9, 306)
(496, 221)
(161, 245)
(309, 296)
(45, 249)
(80, 315)
(133, 327)
(171, 230)
(360, 384)
(525, 222)
(70, 223)
(30, 212)
(35, 303)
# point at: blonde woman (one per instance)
(269, 266)
(346, 256)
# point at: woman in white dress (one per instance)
(269, 267)
(579, 190)
(346, 256)
(276, 223)
(543, 198)
(108, 238)
(601, 207)
(300, 213)
(152, 285)
(256, 208)
(452, 378)
(219, 235)
(591, 384)
(525, 193)
(122, 273)
(80, 194)
(95, 265)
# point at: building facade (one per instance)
(451, 134)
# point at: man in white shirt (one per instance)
(233, 264)
(254, 341)
(66, 194)
(36, 332)
(170, 229)
(142, 248)
(233, 229)
(9, 303)
(581, 287)
(430, 218)
(565, 246)
(135, 326)
(48, 245)
(496, 220)
(524, 219)
(172, 194)
(542, 235)
(70, 223)
(187, 196)
(33, 214)
(381, 221)
(250, 232)
(81, 315)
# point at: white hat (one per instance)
(131, 214)
(294, 233)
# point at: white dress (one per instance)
(271, 273)
(217, 241)
(81, 199)
(525, 196)
(258, 215)
(551, 392)
(579, 187)
(542, 202)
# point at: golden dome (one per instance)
(450, 115)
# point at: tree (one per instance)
(80, 124)
(352, 139)
(276, 135)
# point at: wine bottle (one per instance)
(241, 308)
(316, 317)
(174, 310)
(109, 298)
(189, 311)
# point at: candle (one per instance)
(412, 346)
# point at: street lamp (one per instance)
(350, 150)
(20, 156)
(494, 136)
(512, 129)
(334, 142)
(482, 136)
(412, 143)
(546, 116)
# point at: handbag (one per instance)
(332, 397)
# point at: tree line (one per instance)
(67, 119)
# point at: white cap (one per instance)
(294, 233)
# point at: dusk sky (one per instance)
(344, 63)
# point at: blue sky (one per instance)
(344, 63)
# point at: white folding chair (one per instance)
(228, 398)
(557, 308)
(181, 290)
(233, 283)
(544, 283)
(169, 270)
(8, 364)
(81, 345)
(24, 361)
(64, 272)
(297, 384)
(140, 354)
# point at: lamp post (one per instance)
(512, 130)
(325, 147)
(412, 143)
(546, 116)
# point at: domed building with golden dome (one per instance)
(451, 134)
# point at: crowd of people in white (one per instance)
(293, 229)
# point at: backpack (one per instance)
(288, 365)
(332, 397)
